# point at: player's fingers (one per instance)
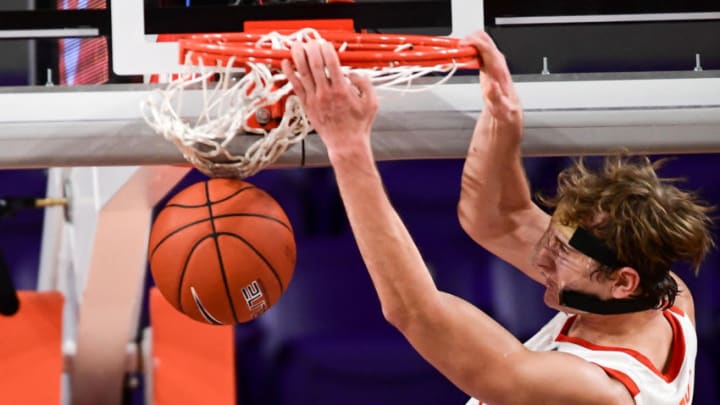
(292, 77)
(366, 91)
(301, 64)
(317, 65)
(493, 62)
(332, 64)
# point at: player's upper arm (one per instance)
(486, 361)
(560, 378)
(511, 237)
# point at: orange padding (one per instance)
(194, 363)
(265, 26)
(31, 360)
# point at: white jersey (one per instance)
(646, 384)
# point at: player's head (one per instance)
(616, 232)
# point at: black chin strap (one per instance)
(594, 305)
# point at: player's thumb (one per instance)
(361, 83)
(364, 88)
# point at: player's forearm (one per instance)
(493, 180)
(392, 259)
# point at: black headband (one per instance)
(593, 247)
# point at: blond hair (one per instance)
(646, 220)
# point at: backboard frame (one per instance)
(137, 53)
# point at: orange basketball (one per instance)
(222, 251)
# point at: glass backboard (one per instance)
(600, 36)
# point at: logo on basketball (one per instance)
(254, 298)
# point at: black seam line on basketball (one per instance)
(260, 255)
(217, 247)
(184, 269)
(208, 199)
(166, 237)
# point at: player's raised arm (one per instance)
(495, 206)
(472, 350)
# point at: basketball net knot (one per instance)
(238, 98)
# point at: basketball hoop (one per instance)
(245, 93)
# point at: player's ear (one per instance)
(625, 282)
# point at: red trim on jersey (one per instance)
(678, 348)
(677, 310)
(676, 357)
(623, 378)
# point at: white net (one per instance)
(235, 99)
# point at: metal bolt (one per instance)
(698, 66)
(49, 81)
(263, 116)
(133, 382)
(67, 194)
(545, 70)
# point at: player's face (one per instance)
(564, 267)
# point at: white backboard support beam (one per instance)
(111, 224)
(103, 126)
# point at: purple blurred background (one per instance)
(325, 341)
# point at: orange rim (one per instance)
(360, 50)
